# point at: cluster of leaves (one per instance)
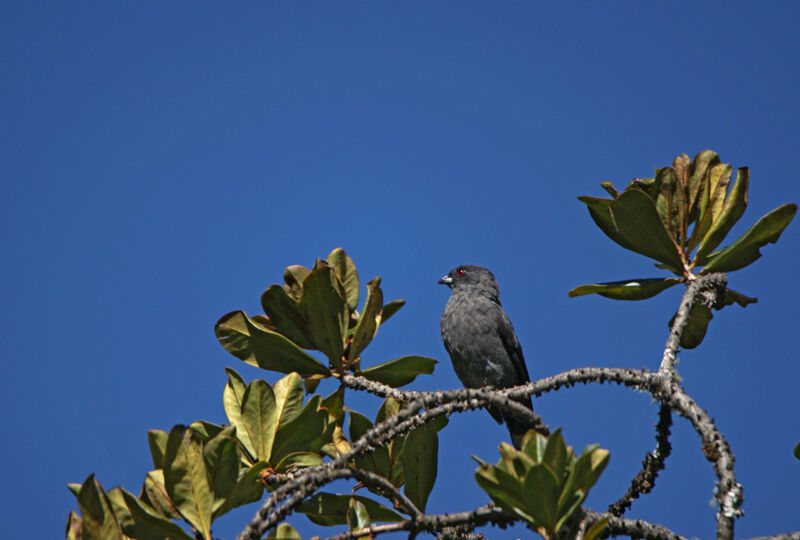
(315, 309)
(204, 470)
(679, 218)
(544, 483)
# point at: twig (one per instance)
(652, 463)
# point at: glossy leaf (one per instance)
(390, 309)
(323, 305)
(599, 210)
(187, 480)
(284, 531)
(419, 457)
(346, 272)
(399, 372)
(697, 180)
(639, 224)
(745, 249)
(330, 509)
(286, 315)
(639, 289)
(98, 520)
(263, 348)
(289, 395)
(735, 204)
(368, 321)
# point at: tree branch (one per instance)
(653, 462)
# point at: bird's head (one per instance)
(471, 278)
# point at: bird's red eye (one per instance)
(461, 272)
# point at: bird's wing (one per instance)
(512, 346)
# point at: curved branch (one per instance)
(653, 462)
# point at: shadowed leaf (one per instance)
(357, 515)
(323, 305)
(400, 371)
(330, 509)
(186, 479)
(599, 210)
(732, 210)
(745, 249)
(419, 457)
(639, 224)
(734, 297)
(293, 278)
(346, 271)
(696, 326)
(639, 289)
(263, 348)
(390, 309)
(147, 523)
(286, 316)
(98, 520)
(369, 320)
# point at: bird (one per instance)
(481, 341)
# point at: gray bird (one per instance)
(481, 341)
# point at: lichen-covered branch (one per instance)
(652, 463)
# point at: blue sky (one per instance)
(163, 162)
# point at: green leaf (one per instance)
(534, 444)
(639, 289)
(357, 515)
(797, 451)
(346, 272)
(504, 489)
(157, 439)
(187, 480)
(286, 316)
(555, 454)
(284, 531)
(207, 430)
(610, 189)
(734, 207)
(541, 496)
(712, 198)
(696, 326)
(330, 509)
(74, 488)
(232, 399)
(222, 457)
(734, 297)
(298, 459)
(74, 524)
(263, 348)
(293, 278)
(390, 309)
(288, 393)
(599, 210)
(668, 202)
(596, 529)
(697, 187)
(324, 308)
(745, 249)
(247, 489)
(369, 320)
(399, 372)
(147, 523)
(376, 461)
(259, 418)
(334, 404)
(307, 432)
(419, 457)
(589, 466)
(639, 224)
(99, 520)
(154, 493)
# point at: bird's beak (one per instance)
(446, 280)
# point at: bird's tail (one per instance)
(518, 427)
